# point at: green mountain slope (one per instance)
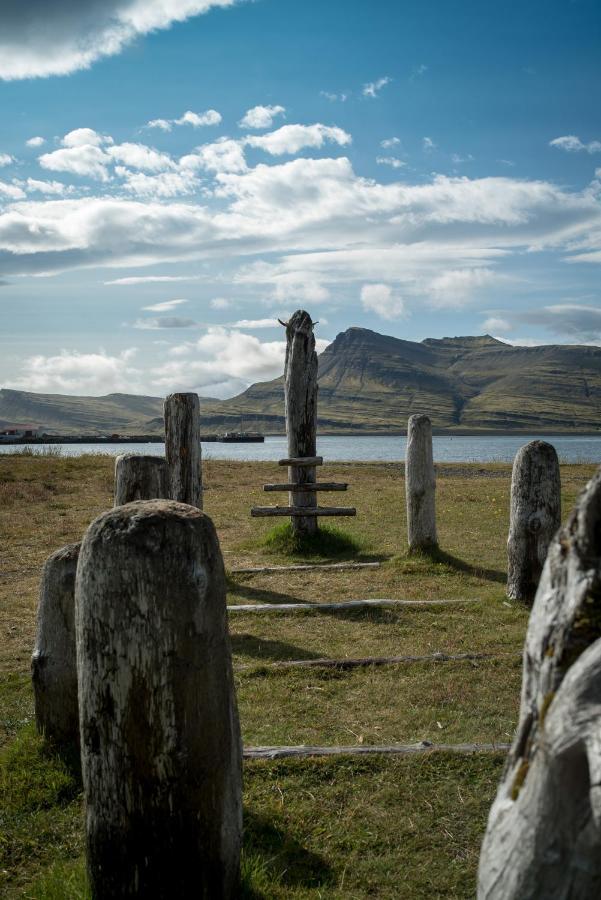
(370, 382)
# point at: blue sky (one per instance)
(176, 175)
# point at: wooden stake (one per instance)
(535, 516)
(139, 477)
(544, 830)
(53, 665)
(182, 448)
(300, 382)
(420, 485)
(160, 740)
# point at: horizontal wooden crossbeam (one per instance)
(302, 567)
(365, 749)
(365, 661)
(302, 461)
(302, 511)
(307, 487)
(343, 605)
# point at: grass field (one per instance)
(337, 827)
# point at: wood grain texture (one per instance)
(302, 511)
(543, 838)
(300, 383)
(535, 516)
(182, 448)
(420, 485)
(161, 748)
(318, 486)
(53, 664)
(140, 477)
(367, 750)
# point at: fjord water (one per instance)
(360, 448)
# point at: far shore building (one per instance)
(10, 432)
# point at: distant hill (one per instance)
(370, 382)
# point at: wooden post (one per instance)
(182, 448)
(420, 485)
(300, 381)
(160, 739)
(53, 666)
(544, 830)
(140, 477)
(535, 516)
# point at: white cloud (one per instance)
(495, 324)
(380, 298)
(573, 144)
(260, 116)
(220, 303)
(88, 161)
(455, 288)
(253, 324)
(292, 138)
(152, 324)
(84, 137)
(574, 319)
(139, 156)
(79, 373)
(392, 161)
(196, 120)
(163, 185)
(151, 279)
(6, 159)
(56, 188)
(333, 97)
(428, 144)
(372, 88)
(458, 159)
(38, 39)
(11, 191)
(165, 306)
(36, 141)
(223, 155)
(390, 142)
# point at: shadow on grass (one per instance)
(265, 648)
(258, 595)
(329, 543)
(435, 556)
(272, 856)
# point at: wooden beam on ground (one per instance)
(363, 661)
(306, 488)
(342, 605)
(364, 750)
(305, 567)
(303, 511)
(301, 461)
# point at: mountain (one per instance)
(370, 382)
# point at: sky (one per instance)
(176, 175)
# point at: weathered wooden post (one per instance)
(300, 382)
(182, 448)
(140, 477)
(543, 838)
(53, 665)
(535, 516)
(420, 485)
(160, 739)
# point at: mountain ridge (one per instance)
(371, 383)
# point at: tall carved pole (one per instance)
(140, 477)
(543, 838)
(160, 740)
(420, 485)
(182, 448)
(53, 665)
(300, 380)
(535, 516)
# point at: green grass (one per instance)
(331, 828)
(328, 543)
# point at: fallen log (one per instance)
(365, 750)
(344, 604)
(305, 567)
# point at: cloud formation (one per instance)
(165, 305)
(573, 144)
(373, 88)
(379, 298)
(38, 39)
(260, 116)
(196, 120)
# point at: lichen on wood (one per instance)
(182, 448)
(140, 477)
(420, 485)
